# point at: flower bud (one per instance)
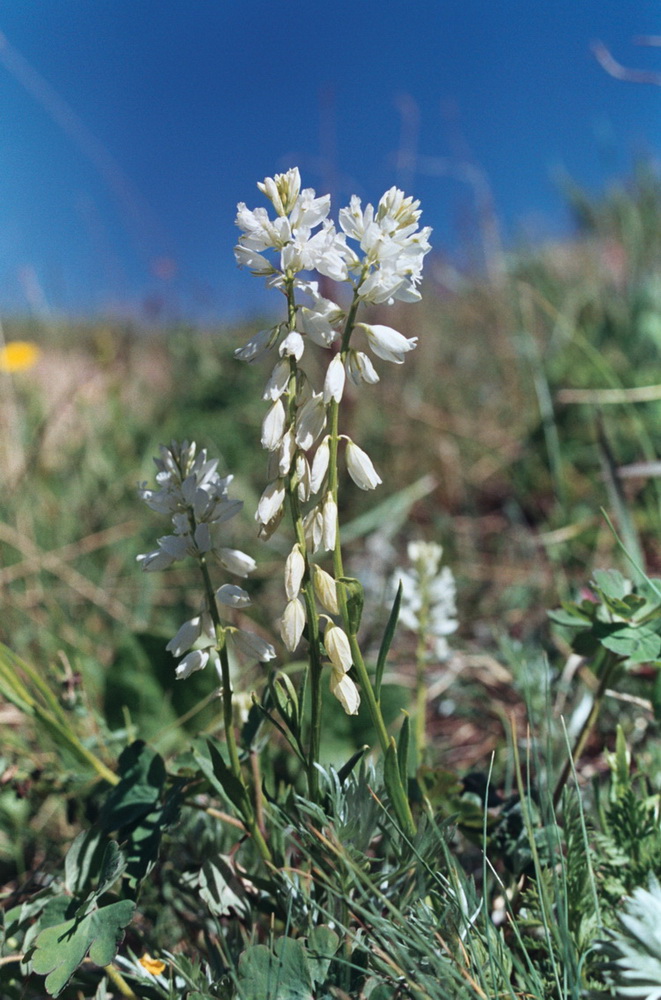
(329, 522)
(324, 587)
(338, 648)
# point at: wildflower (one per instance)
(233, 596)
(387, 343)
(345, 691)
(319, 466)
(152, 965)
(294, 571)
(329, 522)
(257, 346)
(360, 468)
(310, 421)
(359, 368)
(428, 604)
(273, 426)
(18, 356)
(292, 624)
(271, 502)
(252, 645)
(325, 589)
(334, 381)
(337, 647)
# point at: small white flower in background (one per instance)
(360, 468)
(428, 605)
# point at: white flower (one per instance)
(256, 347)
(334, 381)
(189, 634)
(302, 477)
(232, 596)
(310, 421)
(388, 343)
(325, 589)
(252, 645)
(292, 624)
(278, 381)
(294, 572)
(319, 322)
(428, 605)
(338, 648)
(361, 468)
(292, 346)
(282, 190)
(257, 263)
(329, 522)
(271, 502)
(319, 466)
(313, 526)
(287, 452)
(196, 660)
(236, 561)
(345, 691)
(273, 426)
(359, 368)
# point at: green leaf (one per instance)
(233, 788)
(322, 945)
(281, 974)
(221, 888)
(142, 778)
(83, 860)
(284, 695)
(386, 642)
(611, 583)
(395, 788)
(403, 749)
(61, 949)
(638, 644)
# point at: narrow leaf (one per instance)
(386, 642)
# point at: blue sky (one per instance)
(131, 128)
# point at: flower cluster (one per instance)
(379, 253)
(190, 491)
(428, 605)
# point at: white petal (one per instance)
(233, 596)
(329, 522)
(361, 468)
(334, 381)
(292, 624)
(236, 561)
(252, 645)
(271, 501)
(294, 572)
(196, 660)
(325, 589)
(273, 426)
(292, 346)
(186, 637)
(319, 466)
(310, 421)
(345, 691)
(338, 648)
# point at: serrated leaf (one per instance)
(61, 949)
(322, 945)
(281, 974)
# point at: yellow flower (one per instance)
(152, 965)
(18, 356)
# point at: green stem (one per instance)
(307, 589)
(228, 718)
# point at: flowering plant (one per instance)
(379, 254)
